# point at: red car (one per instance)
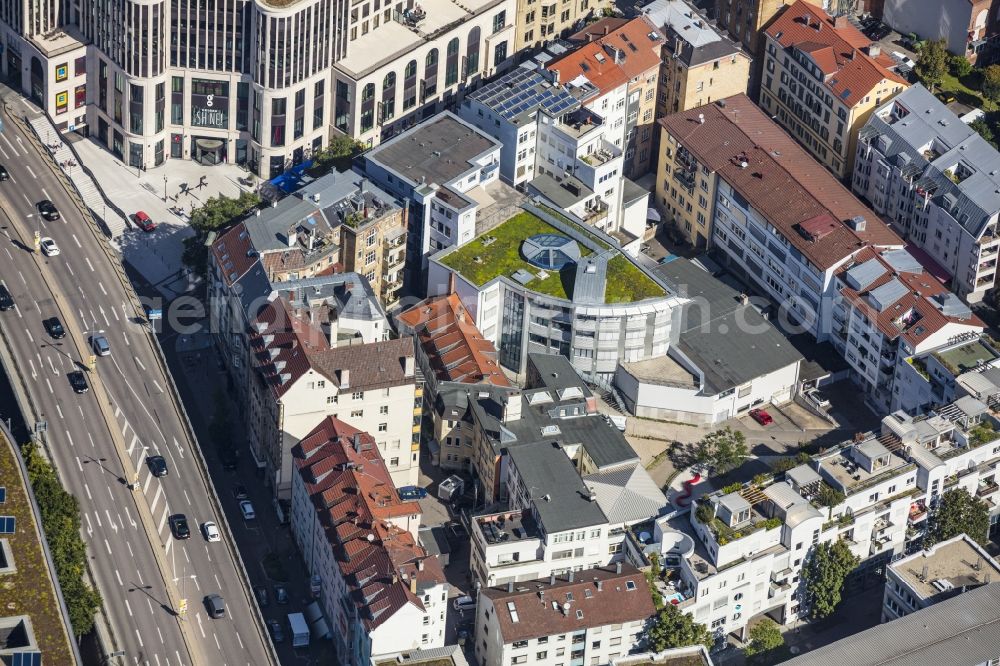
(143, 221)
(761, 417)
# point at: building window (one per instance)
(383, 427)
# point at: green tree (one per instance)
(722, 450)
(932, 63)
(959, 512)
(824, 575)
(673, 627)
(983, 128)
(60, 513)
(959, 66)
(337, 155)
(991, 83)
(218, 211)
(829, 496)
(767, 645)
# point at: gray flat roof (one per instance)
(565, 193)
(731, 343)
(962, 630)
(437, 150)
(547, 471)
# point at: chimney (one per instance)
(356, 442)
(552, 579)
(701, 118)
(334, 327)
(420, 565)
(408, 366)
(841, 22)
(345, 378)
(874, 50)
(600, 584)
(923, 573)
(510, 587)
(571, 576)
(451, 282)
(607, 29)
(512, 408)
(618, 567)
(413, 585)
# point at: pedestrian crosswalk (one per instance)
(84, 184)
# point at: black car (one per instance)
(78, 381)
(179, 526)
(277, 634)
(47, 210)
(6, 300)
(240, 491)
(3, 173)
(157, 465)
(54, 328)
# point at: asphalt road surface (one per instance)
(141, 570)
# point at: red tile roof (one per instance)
(455, 349)
(351, 490)
(836, 46)
(914, 316)
(595, 60)
(596, 598)
(794, 192)
(233, 253)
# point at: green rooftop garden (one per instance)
(483, 260)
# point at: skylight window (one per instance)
(629, 585)
(513, 611)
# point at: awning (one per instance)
(652, 214)
(209, 144)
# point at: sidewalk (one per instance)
(157, 255)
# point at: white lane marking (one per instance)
(105, 292)
(91, 497)
(70, 269)
(129, 514)
(156, 498)
(30, 171)
(111, 521)
(9, 144)
(52, 365)
(145, 486)
(184, 550)
(90, 525)
(49, 384)
(59, 409)
(160, 390)
(97, 517)
(131, 446)
(34, 375)
(108, 546)
(9, 254)
(196, 584)
(216, 637)
(217, 583)
(91, 440)
(104, 314)
(82, 417)
(240, 640)
(30, 336)
(22, 278)
(46, 194)
(139, 362)
(25, 196)
(124, 310)
(139, 636)
(77, 241)
(176, 445)
(198, 615)
(70, 438)
(6, 156)
(125, 335)
(161, 640)
(163, 520)
(18, 311)
(119, 577)
(130, 553)
(79, 464)
(128, 607)
(187, 498)
(89, 265)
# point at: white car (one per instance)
(49, 247)
(211, 531)
(246, 508)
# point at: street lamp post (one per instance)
(164, 189)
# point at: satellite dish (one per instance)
(370, 537)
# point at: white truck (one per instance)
(298, 629)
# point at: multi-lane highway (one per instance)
(101, 438)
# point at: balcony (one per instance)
(987, 488)
(918, 512)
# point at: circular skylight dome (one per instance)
(550, 251)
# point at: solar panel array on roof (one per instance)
(862, 275)
(7, 524)
(26, 659)
(524, 90)
(888, 294)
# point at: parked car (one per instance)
(280, 594)
(54, 328)
(211, 531)
(464, 603)
(407, 493)
(761, 416)
(78, 381)
(818, 398)
(143, 221)
(157, 465)
(49, 247)
(240, 491)
(215, 605)
(100, 345)
(277, 633)
(179, 526)
(262, 598)
(246, 508)
(6, 300)
(47, 210)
